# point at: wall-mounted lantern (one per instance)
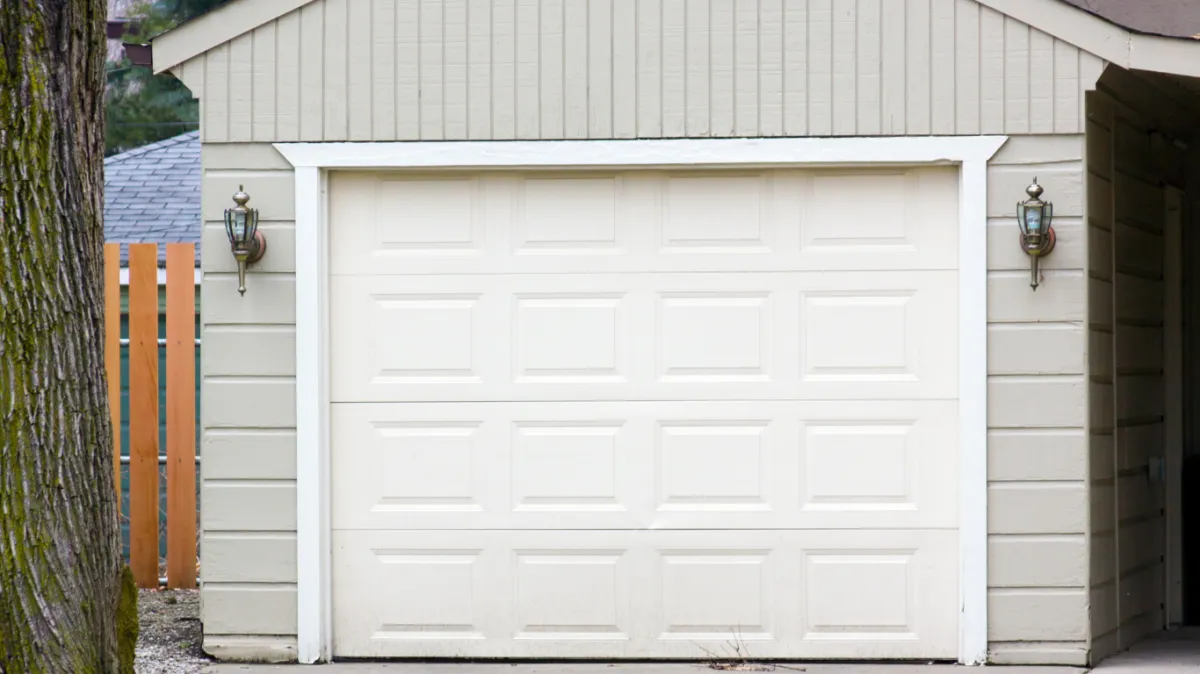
(1037, 236)
(241, 226)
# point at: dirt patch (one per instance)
(170, 637)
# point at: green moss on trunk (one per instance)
(60, 566)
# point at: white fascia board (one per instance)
(216, 28)
(631, 153)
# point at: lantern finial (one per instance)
(1034, 190)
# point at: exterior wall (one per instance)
(497, 70)
(1037, 450)
(340, 70)
(1127, 170)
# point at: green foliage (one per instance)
(142, 107)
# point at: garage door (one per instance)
(644, 414)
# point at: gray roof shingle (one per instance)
(152, 195)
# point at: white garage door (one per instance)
(645, 414)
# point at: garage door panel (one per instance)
(865, 335)
(816, 594)
(777, 465)
(645, 413)
(638, 221)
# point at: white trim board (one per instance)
(313, 161)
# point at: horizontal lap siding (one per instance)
(388, 70)
(249, 436)
(1038, 506)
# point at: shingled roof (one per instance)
(152, 195)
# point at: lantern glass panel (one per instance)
(239, 226)
(1033, 220)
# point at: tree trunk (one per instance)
(60, 566)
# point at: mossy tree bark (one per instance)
(60, 564)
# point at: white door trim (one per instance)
(314, 160)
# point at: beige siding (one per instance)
(1037, 414)
(248, 411)
(361, 70)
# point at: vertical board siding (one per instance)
(820, 68)
(599, 74)
(624, 67)
(550, 69)
(942, 68)
(360, 85)
(241, 88)
(454, 73)
(528, 64)
(337, 70)
(845, 64)
(384, 42)
(262, 74)
(408, 70)
(312, 91)
(286, 76)
(380, 70)
(746, 68)
(918, 42)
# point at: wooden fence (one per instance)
(143, 383)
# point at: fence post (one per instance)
(143, 413)
(112, 352)
(181, 416)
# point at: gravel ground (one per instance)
(170, 638)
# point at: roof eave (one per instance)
(1109, 41)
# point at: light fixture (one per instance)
(1037, 236)
(241, 226)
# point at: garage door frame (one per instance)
(314, 161)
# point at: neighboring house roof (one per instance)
(1123, 32)
(152, 194)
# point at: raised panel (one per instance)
(849, 336)
(735, 603)
(710, 465)
(424, 594)
(838, 216)
(413, 338)
(427, 216)
(714, 337)
(860, 593)
(561, 467)
(565, 337)
(421, 466)
(568, 215)
(717, 213)
(858, 466)
(550, 604)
